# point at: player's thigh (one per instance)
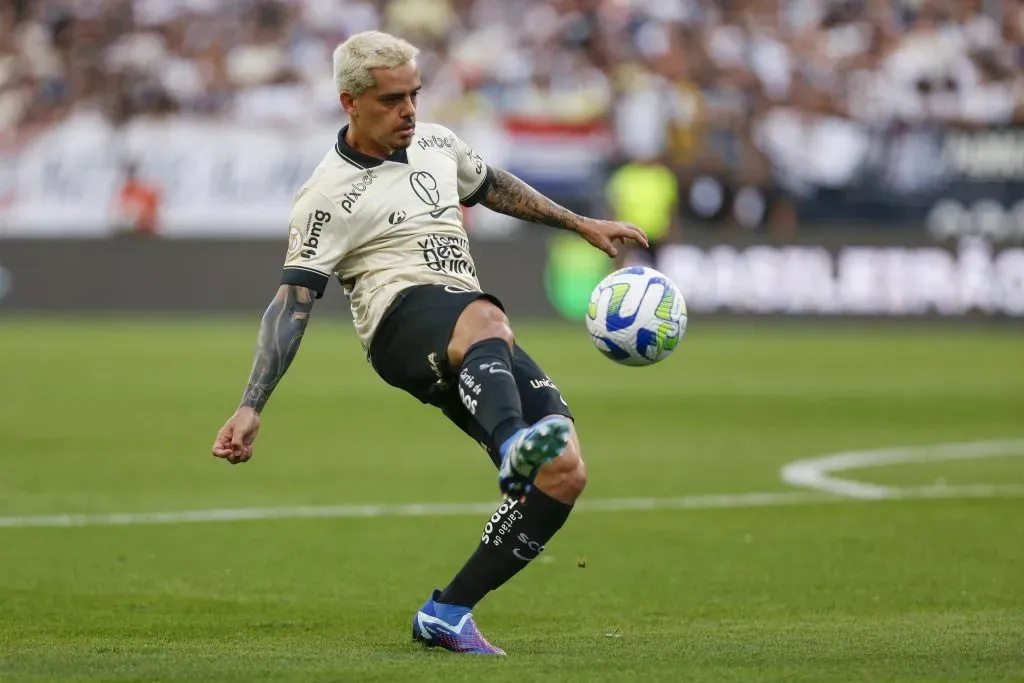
(410, 348)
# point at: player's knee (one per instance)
(495, 329)
(565, 477)
(494, 324)
(480, 321)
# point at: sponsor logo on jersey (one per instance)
(478, 163)
(314, 227)
(447, 254)
(396, 217)
(434, 142)
(348, 199)
(448, 141)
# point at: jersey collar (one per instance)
(360, 160)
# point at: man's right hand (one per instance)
(234, 440)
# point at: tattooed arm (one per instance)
(284, 323)
(281, 330)
(509, 195)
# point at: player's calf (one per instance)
(513, 536)
(565, 477)
(518, 530)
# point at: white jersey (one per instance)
(380, 226)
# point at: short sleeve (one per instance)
(317, 241)
(474, 175)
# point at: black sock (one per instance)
(488, 389)
(514, 535)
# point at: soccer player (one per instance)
(382, 213)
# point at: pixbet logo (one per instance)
(314, 228)
(358, 188)
(434, 141)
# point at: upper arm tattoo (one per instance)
(511, 196)
(281, 330)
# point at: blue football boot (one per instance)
(450, 627)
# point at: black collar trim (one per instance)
(364, 161)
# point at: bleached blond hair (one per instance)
(356, 57)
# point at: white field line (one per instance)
(703, 502)
(402, 510)
(816, 473)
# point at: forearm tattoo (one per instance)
(284, 323)
(511, 196)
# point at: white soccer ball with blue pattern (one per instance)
(636, 316)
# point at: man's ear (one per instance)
(348, 102)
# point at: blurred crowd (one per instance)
(790, 88)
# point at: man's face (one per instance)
(386, 113)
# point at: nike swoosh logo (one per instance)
(429, 626)
(440, 212)
(495, 371)
(425, 630)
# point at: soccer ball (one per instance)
(636, 316)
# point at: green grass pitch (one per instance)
(103, 416)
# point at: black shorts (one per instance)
(409, 350)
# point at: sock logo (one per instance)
(532, 546)
(495, 368)
(470, 383)
(546, 383)
(468, 386)
(468, 401)
(496, 519)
